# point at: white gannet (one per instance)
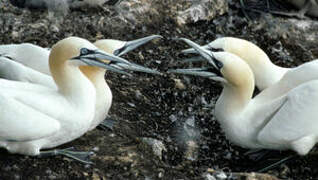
(35, 117)
(13, 70)
(285, 122)
(266, 73)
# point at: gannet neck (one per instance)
(265, 72)
(67, 76)
(239, 85)
(94, 74)
(234, 99)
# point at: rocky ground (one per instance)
(175, 110)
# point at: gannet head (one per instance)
(226, 68)
(248, 51)
(75, 51)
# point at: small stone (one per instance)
(179, 84)
(221, 175)
(208, 176)
(192, 151)
(14, 34)
(160, 174)
(156, 145)
(96, 149)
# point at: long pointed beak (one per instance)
(95, 57)
(131, 45)
(138, 68)
(116, 64)
(208, 55)
(193, 51)
(193, 59)
(194, 71)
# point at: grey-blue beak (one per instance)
(131, 45)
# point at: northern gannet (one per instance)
(35, 117)
(266, 73)
(36, 58)
(285, 122)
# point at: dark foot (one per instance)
(257, 154)
(271, 166)
(107, 124)
(83, 157)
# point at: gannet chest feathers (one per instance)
(31, 121)
(285, 122)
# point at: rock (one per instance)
(253, 176)
(157, 146)
(181, 11)
(208, 176)
(193, 11)
(179, 84)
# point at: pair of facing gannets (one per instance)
(26, 135)
(283, 116)
(283, 121)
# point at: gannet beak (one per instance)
(212, 72)
(193, 51)
(206, 54)
(131, 45)
(116, 64)
(95, 57)
(204, 72)
(138, 68)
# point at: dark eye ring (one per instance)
(218, 63)
(84, 51)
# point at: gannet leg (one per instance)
(83, 157)
(257, 154)
(108, 123)
(277, 163)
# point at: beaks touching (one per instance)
(116, 64)
(206, 54)
(212, 72)
(131, 45)
(193, 51)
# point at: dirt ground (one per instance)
(154, 106)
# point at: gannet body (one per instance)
(31, 121)
(30, 71)
(285, 122)
(265, 72)
(29, 55)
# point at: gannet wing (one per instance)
(297, 118)
(12, 70)
(32, 56)
(20, 122)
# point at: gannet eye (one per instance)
(218, 63)
(84, 51)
